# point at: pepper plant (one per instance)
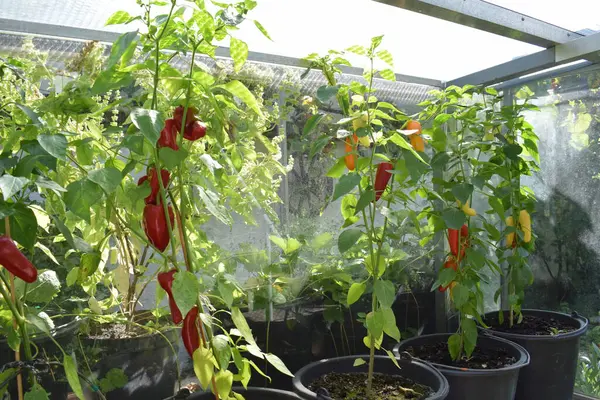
(379, 173)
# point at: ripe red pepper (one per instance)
(189, 332)
(195, 131)
(451, 263)
(165, 279)
(454, 243)
(15, 262)
(453, 240)
(350, 159)
(155, 225)
(189, 116)
(154, 185)
(168, 136)
(382, 178)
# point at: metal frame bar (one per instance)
(490, 18)
(587, 47)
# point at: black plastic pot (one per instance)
(415, 370)
(551, 373)
(149, 362)
(477, 384)
(56, 382)
(251, 394)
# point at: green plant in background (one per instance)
(368, 186)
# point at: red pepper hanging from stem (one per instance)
(382, 178)
(453, 241)
(189, 333)
(165, 279)
(155, 225)
(15, 262)
(154, 185)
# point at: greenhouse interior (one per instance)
(358, 199)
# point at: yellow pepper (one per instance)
(466, 208)
(525, 223)
(510, 238)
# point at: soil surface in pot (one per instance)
(535, 326)
(482, 358)
(352, 386)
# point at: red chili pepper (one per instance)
(165, 279)
(168, 136)
(155, 225)
(151, 199)
(451, 263)
(453, 240)
(15, 262)
(189, 332)
(382, 178)
(189, 117)
(195, 131)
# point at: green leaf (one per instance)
(399, 140)
(120, 17)
(23, 225)
(262, 30)
(454, 345)
(365, 199)
(348, 238)
(348, 205)
(149, 122)
(312, 123)
(120, 47)
(81, 196)
(115, 379)
(386, 292)
(386, 57)
(381, 267)
(278, 364)
(108, 179)
(388, 74)
(72, 377)
(460, 295)
(454, 218)
(389, 324)
(204, 366)
(355, 292)
(10, 185)
(35, 118)
(337, 170)
(55, 145)
(206, 24)
(239, 90)
(6, 375)
(239, 53)
(462, 192)
(42, 290)
(240, 323)
(88, 265)
(35, 393)
(186, 290)
(210, 163)
(345, 185)
(446, 276)
(358, 362)
(469, 328)
(375, 323)
(211, 201)
(42, 182)
(497, 206)
(173, 158)
(222, 350)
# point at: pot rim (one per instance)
(523, 361)
(441, 393)
(583, 326)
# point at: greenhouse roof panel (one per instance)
(421, 45)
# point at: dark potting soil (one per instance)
(535, 326)
(481, 358)
(352, 386)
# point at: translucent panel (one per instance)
(566, 263)
(574, 15)
(422, 46)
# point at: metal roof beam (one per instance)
(491, 18)
(587, 48)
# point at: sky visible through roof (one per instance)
(421, 45)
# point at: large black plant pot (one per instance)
(251, 394)
(417, 371)
(551, 373)
(149, 362)
(476, 384)
(54, 382)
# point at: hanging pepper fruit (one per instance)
(189, 332)
(450, 285)
(195, 131)
(168, 136)
(360, 122)
(466, 208)
(350, 158)
(510, 238)
(155, 225)
(15, 262)
(165, 279)
(416, 140)
(382, 177)
(525, 223)
(154, 185)
(451, 263)
(453, 241)
(189, 116)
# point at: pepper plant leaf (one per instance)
(149, 122)
(55, 145)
